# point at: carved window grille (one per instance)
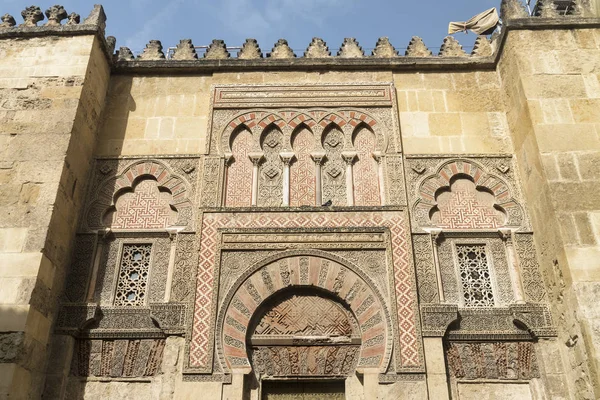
(132, 282)
(475, 277)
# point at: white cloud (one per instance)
(154, 24)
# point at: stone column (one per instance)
(379, 157)
(513, 264)
(286, 157)
(228, 158)
(371, 383)
(435, 236)
(349, 157)
(173, 237)
(318, 158)
(435, 364)
(256, 159)
(101, 236)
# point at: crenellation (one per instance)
(384, 49)
(217, 50)
(513, 9)
(548, 9)
(317, 49)
(250, 50)
(350, 49)
(451, 48)
(73, 19)
(55, 15)
(152, 51)
(185, 50)
(417, 48)
(125, 54)
(31, 16)
(482, 47)
(281, 50)
(8, 21)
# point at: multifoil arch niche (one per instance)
(317, 274)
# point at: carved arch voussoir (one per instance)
(430, 186)
(306, 269)
(110, 189)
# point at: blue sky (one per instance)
(135, 22)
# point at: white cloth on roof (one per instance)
(480, 24)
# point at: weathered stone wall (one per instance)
(551, 86)
(52, 93)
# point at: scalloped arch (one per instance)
(442, 179)
(111, 188)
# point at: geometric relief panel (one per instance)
(146, 207)
(270, 174)
(366, 180)
(334, 168)
(201, 345)
(465, 207)
(302, 171)
(239, 173)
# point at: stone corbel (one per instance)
(287, 158)
(436, 318)
(256, 158)
(318, 158)
(535, 318)
(349, 157)
(513, 264)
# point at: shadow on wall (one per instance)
(116, 118)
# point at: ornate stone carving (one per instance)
(182, 289)
(511, 9)
(152, 51)
(125, 54)
(317, 49)
(394, 168)
(73, 19)
(302, 172)
(239, 171)
(55, 15)
(536, 318)
(281, 50)
(117, 358)
(436, 318)
(217, 50)
(384, 49)
(250, 50)
(533, 282)
(8, 21)
(482, 47)
(417, 48)
(426, 275)
(495, 360)
(170, 317)
(365, 169)
(475, 279)
(185, 50)
(451, 48)
(31, 16)
(334, 168)
(270, 182)
(79, 273)
(350, 49)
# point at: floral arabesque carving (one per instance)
(104, 199)
(258, 285)
(428, 188)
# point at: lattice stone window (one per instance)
(474, 271)
(132, 282)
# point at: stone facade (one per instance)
(277, 225)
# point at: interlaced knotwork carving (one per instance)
(334, 168)
(475, 275)
(270, 184)
(366, 179)
(533, 283)
(395, 180)
(186, 258)
(239, 172)
(132, 283)
(302, 171)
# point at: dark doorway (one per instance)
(299, 390)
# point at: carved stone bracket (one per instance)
(74, 316)
(435, 318)
(536, 318)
